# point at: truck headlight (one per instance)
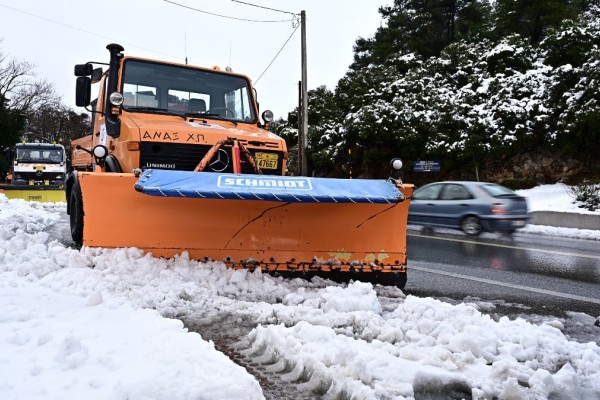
(116, 99)
(267, 116)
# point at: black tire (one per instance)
(471, 225)
(112, 165)
(76, 214)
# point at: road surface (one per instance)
(527, 276)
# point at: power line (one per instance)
(293, 20)
(266, 8)
(225, 16)
(166, 54)
(85, 31)
(276, 55)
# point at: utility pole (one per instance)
(304, 98)
(300, 141)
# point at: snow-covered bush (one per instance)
(587, 194)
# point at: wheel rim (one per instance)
(471, 226)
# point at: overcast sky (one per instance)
(59, 34)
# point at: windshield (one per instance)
(154, 87)
(47, 155)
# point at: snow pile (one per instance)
(554, 197)
(87, 324)
(64, 336)
(425, 345)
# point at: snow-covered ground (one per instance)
(553, 198)
(556, 198)
(105, 324)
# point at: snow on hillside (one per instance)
(105, 324)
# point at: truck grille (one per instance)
(39, 178)
(185, 157)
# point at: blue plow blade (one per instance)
(291, 189)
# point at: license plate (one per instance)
(518, 223)
(266, 160)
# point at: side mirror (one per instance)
(83, 91)
(96, 75)
(84, 69)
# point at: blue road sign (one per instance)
(426, 166)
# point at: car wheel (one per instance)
(471, 226)
(76, 214)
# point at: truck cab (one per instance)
(162, 115)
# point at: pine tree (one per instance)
(532, 18)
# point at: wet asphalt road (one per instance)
(530, 276)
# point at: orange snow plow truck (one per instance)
(178, 160)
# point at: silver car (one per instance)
(473, 207)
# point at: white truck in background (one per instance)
(37, 172)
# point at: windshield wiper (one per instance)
(154, 110)
(202, 114)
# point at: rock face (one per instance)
(538, 168)
(520, 171)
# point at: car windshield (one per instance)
(40, 154)
(498, 191)
(160, 88)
